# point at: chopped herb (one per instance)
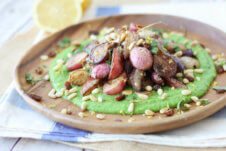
(29, 78)
(204, 102)
(154, 46)
(65, 42)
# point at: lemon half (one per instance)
(53, 15)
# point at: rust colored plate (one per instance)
(207, 35)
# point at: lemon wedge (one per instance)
(53, 15)
(85, 4)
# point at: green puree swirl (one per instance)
(154, 103)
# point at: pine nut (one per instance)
(149, 113)
(195, 98)
(198, 70)
(100, 116)
(185, 92)
(131, 107)
(127, 92)
(51, 94)
(148, 88)
(142, 96)
(83, 106)
(44, 57)
(95, 91)
(72, 95)
(160, 91)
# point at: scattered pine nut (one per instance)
(100, 116)
(195, 98)
(95, 91)
(149, 113)
(93, 98)
(187, 105)
(73, 90)
(178, 54)
(83, 106)
(127, 92)
(188, 71)
(186, 92)
(82, 114)
(72, 95)
(57, 67)
(131, 107)
(142, 96)
(131, 46)
(224, 67)
(100, 98)
(185, 81)
(179, 75)
(198, 103)
(139, 42)
(148, 88)
(51, 94)
(46, 77)
(44, 57)
(85, 98)
(160, 92)
(198, 70)
(163, 96)
(60, 93)
(63, 111)
(131, 120)
(163, 110)
(123, 37)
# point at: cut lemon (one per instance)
(85, 4)
(53, 15)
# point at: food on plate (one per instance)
(135, 70)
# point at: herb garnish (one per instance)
(29, 78)
(65, 42)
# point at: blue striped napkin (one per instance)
(19, 120)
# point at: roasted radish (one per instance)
(100, 71)
(89, 86)
(141, 58)
(115, 86)
(76, 61)
(116, 64)
(99, 53)
(164, 65)
(174, 83)
(136, 79)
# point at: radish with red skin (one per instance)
(89, 86)
(99, 53)
(115, 86)
(174, 83)
(100, 71)
(141, 58)
(76, 61)
(116, 64)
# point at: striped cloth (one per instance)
(19, 120)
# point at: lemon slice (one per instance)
(85, 4)
(53, 15)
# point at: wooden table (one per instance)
(16, 18)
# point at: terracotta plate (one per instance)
(207, 35)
